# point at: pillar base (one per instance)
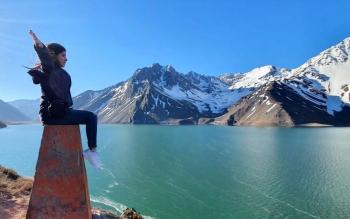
(60, 188)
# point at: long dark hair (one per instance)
(38, 65)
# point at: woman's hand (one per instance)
(36, 40)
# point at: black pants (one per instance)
(76, 117)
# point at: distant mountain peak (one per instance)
(153, 70)
(336, 54)
(156, 66)
(169, 68)
(161, 68)
(256, 77)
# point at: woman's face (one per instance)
(62, 59)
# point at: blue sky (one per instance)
(107, 41)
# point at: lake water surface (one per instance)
(208, 171)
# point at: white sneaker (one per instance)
(94, 158)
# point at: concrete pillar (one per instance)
(60, 188)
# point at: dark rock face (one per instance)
(343, 117)
(2, 125)
(154, 107)
(276, 104)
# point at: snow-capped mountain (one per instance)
(277, 104)
(317, 91)
(209, 94)
(325, 79)
(160, 94)
(255, 78)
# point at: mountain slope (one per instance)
(30, 108)
(276, 104)
(10, 113)
(326, 76)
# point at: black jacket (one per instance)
(55, 82)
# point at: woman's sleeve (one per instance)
(45, 59)
(37, 76)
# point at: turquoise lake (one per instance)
(208, 171)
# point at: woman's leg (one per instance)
(75, 117)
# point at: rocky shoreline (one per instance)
(15, 194)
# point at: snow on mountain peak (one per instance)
(207, 93)
(327, 76)
(334, 55)
(259, 76)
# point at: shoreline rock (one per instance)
(15, 194)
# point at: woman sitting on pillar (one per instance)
(56, 100)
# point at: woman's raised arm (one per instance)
(43, 53)
(36, 40)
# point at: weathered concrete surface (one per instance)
(60, 187)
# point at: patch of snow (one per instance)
(216, 101)
(334, 103)
(260, 76)
(271, 107)
(250, 114)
